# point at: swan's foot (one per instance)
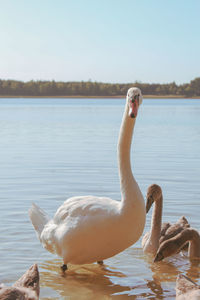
(64, 268)
(100, 262)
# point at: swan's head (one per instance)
(166, 249)
(154, 192)
(134, 98)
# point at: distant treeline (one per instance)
(89, 88)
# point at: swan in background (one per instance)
(176, 243)
(25, 288)
(186, 288)
(159, 232)
(173, 229)
(89, 229)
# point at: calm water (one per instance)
(52, 149)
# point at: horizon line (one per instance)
(94, 81)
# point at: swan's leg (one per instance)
(100, 262)
(64, 268)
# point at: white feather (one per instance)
(38, 218)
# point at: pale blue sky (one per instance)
(102, 40)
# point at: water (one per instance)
(52, 149)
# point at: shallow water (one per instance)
(52, 149)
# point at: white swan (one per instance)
(90, 229)
(159, 231)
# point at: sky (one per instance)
(116, 41)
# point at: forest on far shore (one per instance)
(90, 88)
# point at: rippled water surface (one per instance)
(52, 149)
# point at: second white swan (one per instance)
(88, 229)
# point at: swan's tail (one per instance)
(38, 218)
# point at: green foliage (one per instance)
(89, 88)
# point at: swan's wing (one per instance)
(171, 232)
(145, 239)
(38, 218)
(164, 228)
(168, 231)
(75, 216)
(86, 206)
(183, 222)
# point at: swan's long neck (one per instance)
(194, 246)
(130, 191)
(156, 222)
(192, 236)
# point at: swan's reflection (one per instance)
(194, 271)
(163, 278)
(168, 270)
(130, 274)
(80, 282)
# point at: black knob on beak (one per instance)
(132, 115)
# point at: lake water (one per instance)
(52, 149)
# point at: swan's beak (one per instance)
(134, 105)
(158, 257)
(149, 203)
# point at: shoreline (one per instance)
(108, 97)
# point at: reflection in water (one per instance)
(80, 282)
(194, 271)
(164, 271)
(167, 271)
(119, 278)
(108, 282)
(63, 148)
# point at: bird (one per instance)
(168, 232)
(159, 231)
(186, 288)
(88, 229)
(176, 243)
(25, 288)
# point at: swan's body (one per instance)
(26, 288)
(176, 243)
(88, 229)
(173, 229)
(186, 288)
(159, 232)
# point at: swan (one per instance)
(173, 229)
(25, 288)
(87, 229)
(186, 288)
(176, 243)
(159, 232)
